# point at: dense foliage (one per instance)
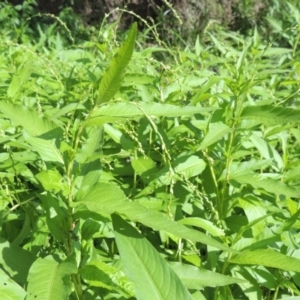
(138, 171)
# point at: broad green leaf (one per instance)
(100, 274)
(56, 216)
(292, 174)
(9, 289)
(32, 121)
(91, 145)
(268, 184)
(142, 164)
(205, 224)
(89, 175)
(118, 137)
(196, 278)
(48, 279)
(68, 108)
(184, 167)
(108, 198)
(267, 151)
(121, 111)
(267, 258)
(271, 115)
(211, 81)
(89, 228)
(216, 131)
(19, 79)
(138, 79)
(243, 168)
(15, 261)
(45, 148)
(113, 76)
(151, 275)
(250, 286)
(50, 180)
(254, 210)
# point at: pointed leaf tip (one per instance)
(114, 74)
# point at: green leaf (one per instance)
(271, 115)
(142, 164)
(56, 216)
(100, 274)
(205, 224)
(240, 63)
(151, 275)
(19, 79)
(50, 180)
(185, 167)
(122, 111)
(45, 148)
(118, 137)
(212, 81)
(267, 151)
(216, 131)
(9, 289)
(89, 228)
(195, 278)
(268, 184)
(267, 258)
(32, 121)
(108, 198)
(49, 279)
(243, 168)
(91, 144)
(113, 76)
(15, 261)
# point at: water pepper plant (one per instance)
(133, 180)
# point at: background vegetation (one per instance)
(150, 160)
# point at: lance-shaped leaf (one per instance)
(268, 184)
(268, 258)
(107, 198)
(151, 275)
(271, 115)
(196, 278)
(122, 111)
(113, 76)
(216, 131)
(98, 273)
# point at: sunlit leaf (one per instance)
(150, 283)
(9, 289)
(122, 111)
(108, 198)
(216, 131)
(100, 274)
(113, 76)
(32, 121)
(271, 115)
(49, 279)
(196, 278)
(267, 258)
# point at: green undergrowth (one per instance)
(133, 172)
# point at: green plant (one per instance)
(138, 179)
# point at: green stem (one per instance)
(276, 293)
(68, 242)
